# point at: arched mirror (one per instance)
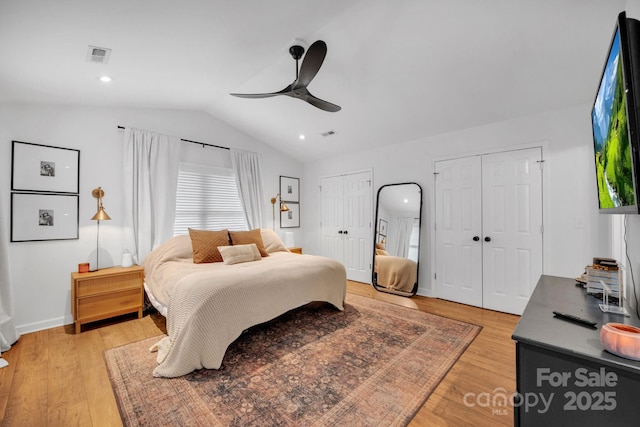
(397, 238)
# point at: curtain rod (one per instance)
(194, 142)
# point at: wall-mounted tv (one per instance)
(614, 120)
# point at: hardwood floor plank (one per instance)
(57, 377)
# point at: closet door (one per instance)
(346, 223)
(458, 251)
(489, 229)
(332, 217)
(512, 228)
(357, 231)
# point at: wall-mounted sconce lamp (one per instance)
(283, 208)
(101, 215)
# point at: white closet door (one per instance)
(357, 231)
(458, 230)
(332, 217)
(347, 234)
(512, 224)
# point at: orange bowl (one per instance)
(621, 340)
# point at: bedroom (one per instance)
(574, 232)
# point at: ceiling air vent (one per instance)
(328, 133)
(98, 55)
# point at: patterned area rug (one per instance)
(374, 364)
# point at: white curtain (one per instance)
(8, 332)
(404, 237)
(248, 170)
(150, 181)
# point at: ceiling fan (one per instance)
(308, 70)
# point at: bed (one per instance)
(208, 305)
(395, 273)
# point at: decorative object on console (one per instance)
(621, 340)
(127, 260)
(101, 215)
(283, 207)
(288, 239)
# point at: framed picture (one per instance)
(290, 189)
(36, 217)
(382, 229)
(290, 218)
(43, 168)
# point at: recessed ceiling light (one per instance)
(106, 79)
(406, 200)
(302, 136)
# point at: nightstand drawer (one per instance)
(109, 305)
(99, 285)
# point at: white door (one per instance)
(512, 228)
(332, 199)
(357, 232)
(489, 229)
(458, 249)
(347, 235)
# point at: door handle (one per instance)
(346, 232)
(487, 239)
(476, 238)
(339, 231)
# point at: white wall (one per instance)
(40, 271)
(574, 231)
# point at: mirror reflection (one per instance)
(397, 238)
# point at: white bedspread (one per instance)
(209, 305)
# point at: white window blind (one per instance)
(207, 199)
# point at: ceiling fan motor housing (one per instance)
(296, 51)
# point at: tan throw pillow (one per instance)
(205, 245)
(248, 237)
(272, 242)
(239, 253)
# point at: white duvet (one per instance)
(209, 305)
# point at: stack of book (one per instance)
(604, 270)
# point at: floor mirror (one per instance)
(397, 238)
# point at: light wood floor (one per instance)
(58, 378)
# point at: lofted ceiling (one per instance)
(400, 69)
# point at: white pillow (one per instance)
(239, 253)
(272, 242)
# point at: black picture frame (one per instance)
(44, 168)
(290, 218)
(289, 189)
(44, 216)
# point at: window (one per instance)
(207, 199)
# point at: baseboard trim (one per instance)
(42, 325)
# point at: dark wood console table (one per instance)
(564, 377)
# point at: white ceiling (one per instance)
(400, 69)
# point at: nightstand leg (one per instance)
(78, 327)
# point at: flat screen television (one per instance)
(614, 120)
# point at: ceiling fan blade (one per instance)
(263, 95)
(320, 103)
(311, 63)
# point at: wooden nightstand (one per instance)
(295, 250)
(106, 293)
